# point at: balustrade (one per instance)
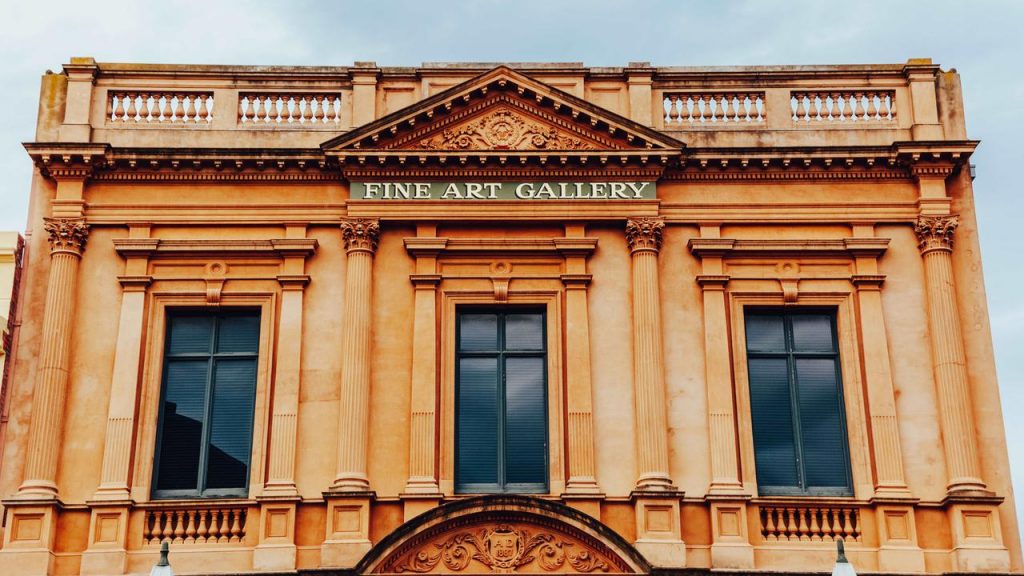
(829, 106)
(195, 525)
(276, 108)
(695, 108)
(784, 523)
(158, 107)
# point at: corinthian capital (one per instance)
(935, 232)
(644, 234)
(66, 234)
(361, 234)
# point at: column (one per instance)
(935, 240)
(67, 240)
(644, 238)
(361, 237)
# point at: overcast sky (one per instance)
(981, 39)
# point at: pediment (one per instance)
(506, 113)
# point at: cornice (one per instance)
(72, 160)
(728, 247)
(182, 248)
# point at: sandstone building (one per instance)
(531, 318)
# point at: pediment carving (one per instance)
(503, 546)
(504, 129)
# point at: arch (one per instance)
(503, 534)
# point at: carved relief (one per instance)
(361, 234)
(504, 130)
(644, 233)
(935, 232)
(66, 234)
(504, 549)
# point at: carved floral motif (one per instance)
(644, 233)
(66, 234)
(361, 234)
(935, 232)
(503, 549)
(504, 130)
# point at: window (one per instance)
(501, 402)
(796, 401)
(206, 404)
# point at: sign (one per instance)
(626, 190)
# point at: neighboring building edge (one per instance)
(526, 318)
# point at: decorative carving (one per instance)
(935, 232)
(644, 233)
(66, 234)
(504, 130)
(361, 234)
(503, 549)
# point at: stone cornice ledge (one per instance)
(728, 247)
(275, 247)
(564, 246)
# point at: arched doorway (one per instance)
(503, 534)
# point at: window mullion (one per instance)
(500, 362)
(204, 446)
(794, 399)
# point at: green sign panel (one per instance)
(624, 190)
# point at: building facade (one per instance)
(468, 318)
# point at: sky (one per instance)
(982, 39)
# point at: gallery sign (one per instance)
(624, 190)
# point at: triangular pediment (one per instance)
(504, 112)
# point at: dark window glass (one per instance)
(205, 434)
(501, 397)
(796, 401)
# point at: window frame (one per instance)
(791, 355)
(168, 314)
(501, 354)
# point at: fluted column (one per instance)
(361, 237)
(644, 238)
(935, 237)
(67, 238)
(288, 373)
(422, 432)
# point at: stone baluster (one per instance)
(935, 240)
(644, 238)
(361, 237)
(67, 238)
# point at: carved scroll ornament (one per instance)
(66, 234)
(504, 130)
(935, 232)
(361, 234)
(503, 549)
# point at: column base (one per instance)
(730, 545)
(274, 558)
(27, 562)
(659, 529)
(589, 504)
(104, 562)
(350, 484)
(348, 530)
(276, 550)
(416, 504)
(108, 535)
(977, 538)
(583, 486)
(421, 485)
(897, 533)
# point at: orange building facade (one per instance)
(465, 319)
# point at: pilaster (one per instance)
(641, 104)
(361, 237)
(422, 485)
(644, 238)
(364, 93)
(582, 480)
(921, 76)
